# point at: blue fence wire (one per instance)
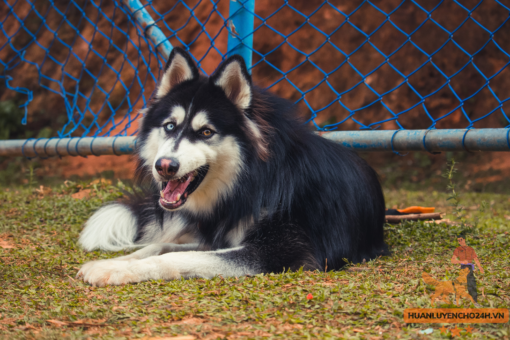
(86, 60)
(88, 66)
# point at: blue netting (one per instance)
(83, 60)
(350, 64)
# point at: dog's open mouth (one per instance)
(176, 192)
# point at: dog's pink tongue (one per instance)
(175, 188)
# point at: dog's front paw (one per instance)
(107, 272)
(86, 268)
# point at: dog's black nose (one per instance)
(167, 167)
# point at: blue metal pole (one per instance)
(85, 146)
(151, 30)
(240, 28)
(423, 140)
(402, 140)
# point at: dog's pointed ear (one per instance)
(179, 68)
(233, 78)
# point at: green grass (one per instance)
(40, 297)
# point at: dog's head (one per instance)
(194, 136)
(463, 275)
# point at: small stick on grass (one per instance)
(412, 217)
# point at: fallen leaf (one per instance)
(102, 181)
(58, 323)
(443, 220)
(43, 190)
(82, 194)
(27, 327)
(193, 321)
(358, 269)
(82, 323)
(6, 245)
(179, 337)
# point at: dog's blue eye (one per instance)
(169, 126)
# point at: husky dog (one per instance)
(240, 187)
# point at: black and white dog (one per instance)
(240, 187)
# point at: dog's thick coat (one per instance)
(239, 186)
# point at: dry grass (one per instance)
(40, 298)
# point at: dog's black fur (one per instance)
(311, 199)
(319, 198)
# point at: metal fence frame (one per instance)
(240, 41)
(383, 140)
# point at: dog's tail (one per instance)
(429, 279)
(111, 228)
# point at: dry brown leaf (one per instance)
(444, 220)
(358, 269)
(82, 194)
(179, 337)
(58, 323)
(76, 323)
(101, 180)
(43, 190)
(192, 321)
(329, 284)
(27, 327)
(261, 333)
(6, 245)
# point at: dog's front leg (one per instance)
(159, 249)
(207, 264)
(148, 251)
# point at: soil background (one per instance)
(276, 56)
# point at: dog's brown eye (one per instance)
(206, 133)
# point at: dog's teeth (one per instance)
(177, 198)
(161, 194)
(195, 173)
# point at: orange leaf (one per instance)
(179, 337)
(43, 190)
(82, 194)
(101, 181)
(6, 245)
(58, 323)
